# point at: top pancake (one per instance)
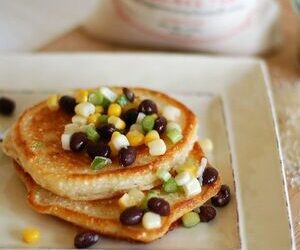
(34, 142)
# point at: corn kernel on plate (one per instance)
(223, 93)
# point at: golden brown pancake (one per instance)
(34, 142)
(102, 216)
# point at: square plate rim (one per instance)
(254, 61)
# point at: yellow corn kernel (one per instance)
(207, 145)
(115, 134)
(151, 136)
(93, 118)
(192, 169)
(137, 195)
(181, 168)
(52, 102)
(117, 121)
(31, 235)
(135, 138)
(154, 116)
(126, 201)
(114, 151)
(99, 109)
(114, 109)
(91, 90)
(82, 96)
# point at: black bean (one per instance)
(86, 239)
(130, 116)
(207, 213)
(78, 142)
(160, 124)
(129, 94)
(7, 106)
(148, 107)
(98, 149)
(67, 104)
(131, 216)
(222, 198)
(106, 130)
(159, 206)
(127, 156)
(210, 175)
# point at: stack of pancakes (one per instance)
(61, 182)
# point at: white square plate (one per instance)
(233, 101)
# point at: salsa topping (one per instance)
(108, 123)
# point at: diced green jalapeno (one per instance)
(103, 119)
(105, 102)
(170, 186)
(92, 134)
(148, 123)
(96, 98)
(190, 219)
(174, 135)
(122, 100)
(100, 162)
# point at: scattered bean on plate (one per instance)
(222, 198)
(7, 106)
(207, 213)
(86, 239)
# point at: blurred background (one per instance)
(263, 28)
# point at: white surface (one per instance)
(28, 24)
(287, 98)
(226, 94)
